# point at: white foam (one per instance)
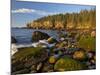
(45, 44)
(23, 45)
(13, 49)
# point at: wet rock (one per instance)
(13, 40)
(37, 35)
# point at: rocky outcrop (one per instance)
(37, 35)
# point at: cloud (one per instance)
(33, 11)
(23, 10)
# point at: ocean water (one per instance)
(23, 36)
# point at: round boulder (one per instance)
(80, 55)
(38, 35)
(68, 64)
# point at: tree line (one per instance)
(85, 19)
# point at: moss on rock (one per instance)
(27, 57)
(28, 52)
(68, 64)
(87, 42)
(52, 59)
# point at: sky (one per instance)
(25, 12)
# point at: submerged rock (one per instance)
(37, 35)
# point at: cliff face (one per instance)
(85, 19)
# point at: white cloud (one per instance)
(33, 11)
(23, 10)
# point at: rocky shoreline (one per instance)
(50, 55)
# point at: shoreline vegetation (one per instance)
(85, 19)
(75, 50)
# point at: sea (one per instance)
(24, 35)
